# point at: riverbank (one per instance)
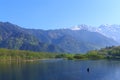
(109, 53)
(21, 55)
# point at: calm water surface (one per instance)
(61, 70)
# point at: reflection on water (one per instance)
(61, 70)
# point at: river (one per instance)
(61, 70)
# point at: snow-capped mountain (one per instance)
(80, 27)
(79, 39)
(111, 31)
(83, 27)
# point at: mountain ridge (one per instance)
(74, 41)
(59, 40)
(110, 31)
(15, 37)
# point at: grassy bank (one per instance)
(20, 55)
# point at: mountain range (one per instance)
(15, 37)
(110, 31)
(78, 39)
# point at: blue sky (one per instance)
(54, 14)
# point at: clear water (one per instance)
(61, 70)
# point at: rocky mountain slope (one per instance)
(76, 40)
(15, 37)
(110, 31)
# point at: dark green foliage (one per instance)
(61, 56)
(80, 56)
(89, 55)
(104, 53)
(94, 55)
(111, 52)
(67, 56)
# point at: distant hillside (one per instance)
(15, 37)
(61, 40)
(110, 31)
(74, 41)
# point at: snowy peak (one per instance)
(75, 28)
(84, 27)
(106, 25)
(110, 31)
(114, 26)
(80, 27)
(110, 28)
